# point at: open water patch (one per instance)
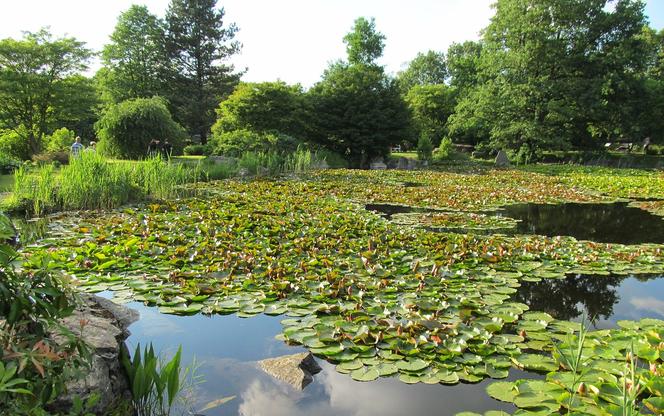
(604, 223)
(388, 210)
(604, 300)
(226, 349)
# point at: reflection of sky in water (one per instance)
(226, 348)
(637, 299)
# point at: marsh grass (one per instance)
(93, 182)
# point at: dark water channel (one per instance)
(605, 223)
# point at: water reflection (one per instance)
(605, 223)
(228, 347)
(605, 299)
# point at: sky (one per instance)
(290, 40)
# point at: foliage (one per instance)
(135, 62)
(36, 76)
(13, 145)
(431, 106)
(57, 158)
(552, 79)
(126, 129)
(424, 148)
(33, 369)
(358, 112)
(8, 164)
(364, 44)
(197, 150)
(93, 182)
(237, 142)
(197, 42)
(425, 69)
(60, 140)
(154, 385)
(267, 107)
(444, 150)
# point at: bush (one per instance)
(237, 142)
(126, 129)
(197, 150)
(424, 148)
(444, 151)
(61, 157)
(60, 141)
(14, 145)
(8, 164)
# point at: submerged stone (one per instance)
(296, 370)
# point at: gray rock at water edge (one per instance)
(224, 160)
(296, 370)
(103, 325)
(377, 164)
(404, 163)
(321, 164)
(501, 160)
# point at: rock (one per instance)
(103, 325)
(377, 164)
(296, 370)
(501, 160)
(321, 164)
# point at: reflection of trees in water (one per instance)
(568, 298)
(612, 223)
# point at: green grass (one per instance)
(93, 182)
(408, 155)
(6, 182)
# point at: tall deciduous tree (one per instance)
(358, 110)
(35, 82)
(425, 69)
(135, 61)
(558, 73)
(197, 42)
(431, 106)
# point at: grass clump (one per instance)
(93, 182)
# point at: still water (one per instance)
(227, 348)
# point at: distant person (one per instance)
(92, 148)
(153, 148)
(167, 149)
(77, 147)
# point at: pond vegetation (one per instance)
(375, 297)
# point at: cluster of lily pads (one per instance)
(457, 221)
(374, 297)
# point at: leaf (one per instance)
(502, 390)
(365, 374)
(216, 403)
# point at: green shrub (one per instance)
(444, 151)
(237, 142)
(126, 129)
(197, 150)
(14, 145)
(424, 148)
(8, 164)
(60, 141)
(209, 169)
(61, 157)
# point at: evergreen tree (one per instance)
(197, 42)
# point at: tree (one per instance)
(426, 69)
(364, 44)
(126, 129)
(197, 42)
(463, 65)
(135, 61)
(36, 76)
(357, 110)
(431, 106)
(558, 73)
(267, 107)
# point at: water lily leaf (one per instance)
(411, 366)
(655, 404)
(535, 362)
(365, 374)
(504, 391)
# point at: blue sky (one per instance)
(291, 40)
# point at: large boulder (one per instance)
(103, 326)
(296, 370)
(502, 161)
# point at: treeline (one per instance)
(545, 75)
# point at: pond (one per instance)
(228, 347)
(605, 223)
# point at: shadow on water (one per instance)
(387, 210)
(604, 299)
(604, 223)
